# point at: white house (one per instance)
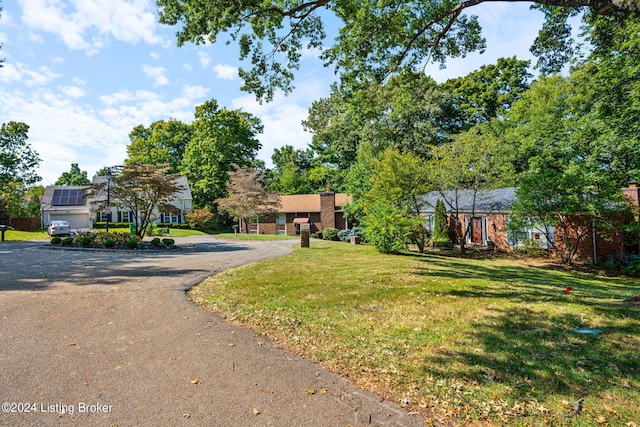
(72, 204)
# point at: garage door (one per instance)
(74, 220)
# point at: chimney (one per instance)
(328, 209)
(632, 193)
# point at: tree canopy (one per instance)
(74, 177)
(18, 160)
(221, 138)
(375, 39)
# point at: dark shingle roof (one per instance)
(499, 200)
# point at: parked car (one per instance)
(59, 228)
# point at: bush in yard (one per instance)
(85, 240)
(440, 227)
(347, 234)
(168, 242)
(330, 233)
(317, 235)
(109, 243)
(56, 240)
(198, 218)
(67, 241)
(132, 243)
(388, 229)
(156, 241)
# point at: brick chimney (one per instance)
(632, 193)
(328, 209)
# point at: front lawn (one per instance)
(16, 236)
(468, 340)
(244, 236)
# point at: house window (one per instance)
(281, 224)
(542, 235)
(125, 216)
(428, 224)
(253, 226)
(169, 218)
(103, 216)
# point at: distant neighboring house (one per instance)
(487, 224)
(318, 210)
(70, 203)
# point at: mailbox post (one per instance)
(3, 228)
(305, 234)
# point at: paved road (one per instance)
(110, 339)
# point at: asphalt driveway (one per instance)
(110, 339)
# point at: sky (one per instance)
(83, 73)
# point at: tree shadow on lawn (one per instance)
(535, 357)
(524, 340)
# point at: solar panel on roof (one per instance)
(68, 197)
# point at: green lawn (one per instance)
(469, 340)
(243, 236)
(15, 236)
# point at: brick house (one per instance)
(486, 221)
(318, 210)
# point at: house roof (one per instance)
(309, 202)
(181, 180)
(65, 195)
(498, 200)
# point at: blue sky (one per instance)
(83, 73)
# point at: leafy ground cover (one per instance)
(461, 340)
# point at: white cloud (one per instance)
(20, 72)
(194, 92)
(154, 55)
(88, 25)
(158, 74)
(73, 91)
(226, 72)
(187, 66)
(205, 59)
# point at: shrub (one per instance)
(347, 234)
(389, 229)
(531, 247)
(132, 243)
(440, 227)
(67, 241)
(168, 242)
(56, 240)
(156, 242)
(109, 243)
(632, 269)
(198, 218)
(85, 240)
(317, 235)
(330, 233)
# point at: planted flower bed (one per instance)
(112, 241)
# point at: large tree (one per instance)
(375, 39)
(472, 162)
(221, 138)
(247, 197)
(74, 177)
(398, 183)
(18, 161)
(163, 142)
(144, 190)
(563, 183)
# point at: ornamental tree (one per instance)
(247, 197)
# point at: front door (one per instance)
(476, 230)
(281, 224)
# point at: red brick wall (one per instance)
(328, 209)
